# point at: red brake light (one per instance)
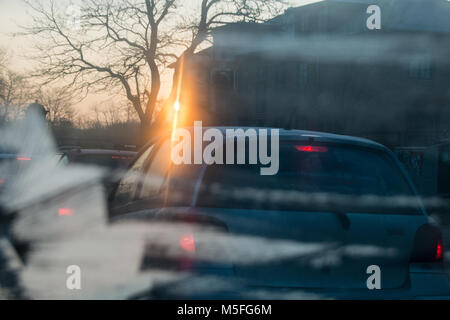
(188, 243)
(439, 250)
(65, 212)
(428, 245)
(23, 159)
(2, 181)
(311, 149)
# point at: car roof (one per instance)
(307, 135)
(8, 156)
(102, 152)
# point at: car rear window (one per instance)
(348, 178)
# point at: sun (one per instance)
(176, 106)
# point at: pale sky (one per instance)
(14, 13)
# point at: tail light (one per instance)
(180, 255)
(187, 258)
(186, 248)
(187, 243)
(439, 251)
(311, 149)
(428, 246)
(65, 212)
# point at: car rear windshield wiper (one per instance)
(343, 219)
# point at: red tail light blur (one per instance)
(428, 246)
(187, 243)
(311, 149)
(65, 212)
(439, 251)
(189, 248)
(23, 159)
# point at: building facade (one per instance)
(319, 67)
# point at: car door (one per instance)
(143, 186)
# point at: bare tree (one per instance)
(59, 104)
(126, 43)
(216, 13)
(15, 90)
(14, 95)
(211, 14)
(3, 59)
(111, 114)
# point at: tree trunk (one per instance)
(150, 130)
(144, 132)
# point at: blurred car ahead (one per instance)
(13, 165)
(10, 163)
(111, 159)
(346, 191)
(114, 161)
